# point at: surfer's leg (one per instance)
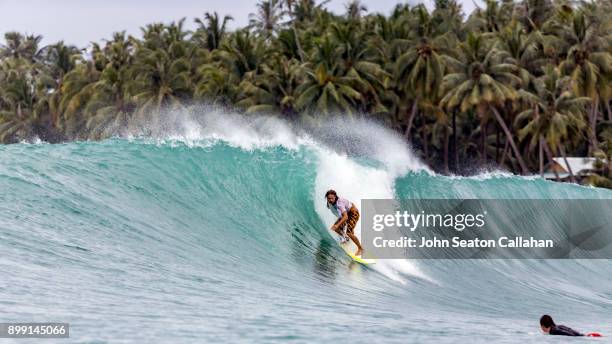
(350, 230)
(357, 243)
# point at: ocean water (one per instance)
(216, 232)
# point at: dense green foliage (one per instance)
(512, 84)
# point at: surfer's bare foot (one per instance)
(359, 252)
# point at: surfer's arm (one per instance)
(341, 220)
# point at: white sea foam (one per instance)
(355, 182)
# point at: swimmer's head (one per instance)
(546, 322)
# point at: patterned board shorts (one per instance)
(351, 222)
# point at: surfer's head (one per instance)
(546, 322)
(332, 197)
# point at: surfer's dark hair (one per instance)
(331, 192)
(546, 321)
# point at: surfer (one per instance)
(347, 214)
(548, 326)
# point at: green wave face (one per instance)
(224, 238)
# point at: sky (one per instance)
(80, 22)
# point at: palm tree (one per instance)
(523, 50)
(534, 14)
(353, 58)
(20, 100)
(448, 16)
(481, 82)
(306, 10)
(602, 174)
(340, 78)
(211, 30)
(554, 117)
(420, 70)
(217, 85)
(59, 60)
(324, 91)
(290, 10)
(21, 47)
(267, 17)
(162, 70)
(109, 105)
(77, 90)
(274, 90)
(354, 9)
(242, 53)
(588, 58)
(492, 18)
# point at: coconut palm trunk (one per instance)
(593, 125)
(504, 127)
(569, 168)
(504, 153)
(297, 43)
(455, 157)
(413, 112)
(483, 133)
(497, 144)
(425, 140)
(549, 154)
(541, 157)
(446, 139)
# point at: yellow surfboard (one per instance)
(349, 248)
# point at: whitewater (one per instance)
(213, 228)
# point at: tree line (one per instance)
(513, 84)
